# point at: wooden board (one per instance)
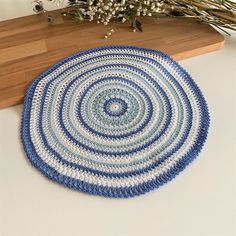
(28, 45)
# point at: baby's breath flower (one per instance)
(221, 13)
(122, 2)
(123, 20)
(105, 7)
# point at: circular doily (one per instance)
(116, 121)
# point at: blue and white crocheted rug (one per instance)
(116, 121)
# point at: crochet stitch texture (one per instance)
(116, 121)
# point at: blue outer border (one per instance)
(111, 191)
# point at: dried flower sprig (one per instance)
(220, 13)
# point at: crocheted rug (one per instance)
(116, 121)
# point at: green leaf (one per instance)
(76, 15)
(137, 25)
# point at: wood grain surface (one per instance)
(28, 45)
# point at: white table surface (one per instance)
(199, 202)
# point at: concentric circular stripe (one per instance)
(72, 139)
